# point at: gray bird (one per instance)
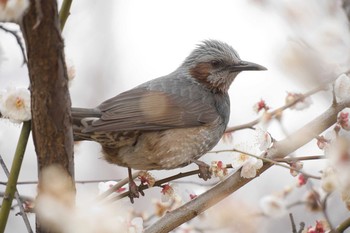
(171, 121)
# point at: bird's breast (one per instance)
(167, 149)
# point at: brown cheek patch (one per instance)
(201, 72)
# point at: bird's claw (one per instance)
(134, 191)
(204, 170)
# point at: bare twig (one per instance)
(343, 226)
(323, 204)
(276, 111)
(294, 229)
(18, 198)
(23, 198)
(302, 227)
(64, 12)
(300, 158)
(19, 42)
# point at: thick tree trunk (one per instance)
(51, 117)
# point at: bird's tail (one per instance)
(82, 117)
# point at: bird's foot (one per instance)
(204, 169)
(134, 191)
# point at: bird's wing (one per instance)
(146, 110)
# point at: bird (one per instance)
(167, 122)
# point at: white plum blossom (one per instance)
(218, 169)
(263, 139)
(169, 193)
(261, 105)
(15, 104)
(146, 178)
(250, 167)
(273, 206)
(337, 176)
(12, 10)
(344, 119)
(329, 180)
(248, 163)
(342, 87)
(295, 167)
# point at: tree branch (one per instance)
(50, 99)
(64, 12)
(232, 183)
(12, 180)
(343, 226)
(19, 42)
(18, 198)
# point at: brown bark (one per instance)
(51, 117)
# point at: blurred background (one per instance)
(116, 45)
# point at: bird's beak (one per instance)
(246, 65)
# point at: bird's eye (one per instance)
(215, 63)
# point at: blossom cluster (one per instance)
(15, 104)
(336, 146)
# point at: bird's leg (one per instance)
(133, 188)
(204, 169)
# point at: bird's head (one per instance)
(216, 64)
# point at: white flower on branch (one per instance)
(13, 10)
(261, 105)
(248, 163)
(329, 180)
(295, 167)
(344, 120)
(273, 206)
(321, 226)
(168, 193)
(15, 104)
(338, 153)
(342, 87)
(263, 139)
(146, 178)
(218, 169)
(250, 167)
